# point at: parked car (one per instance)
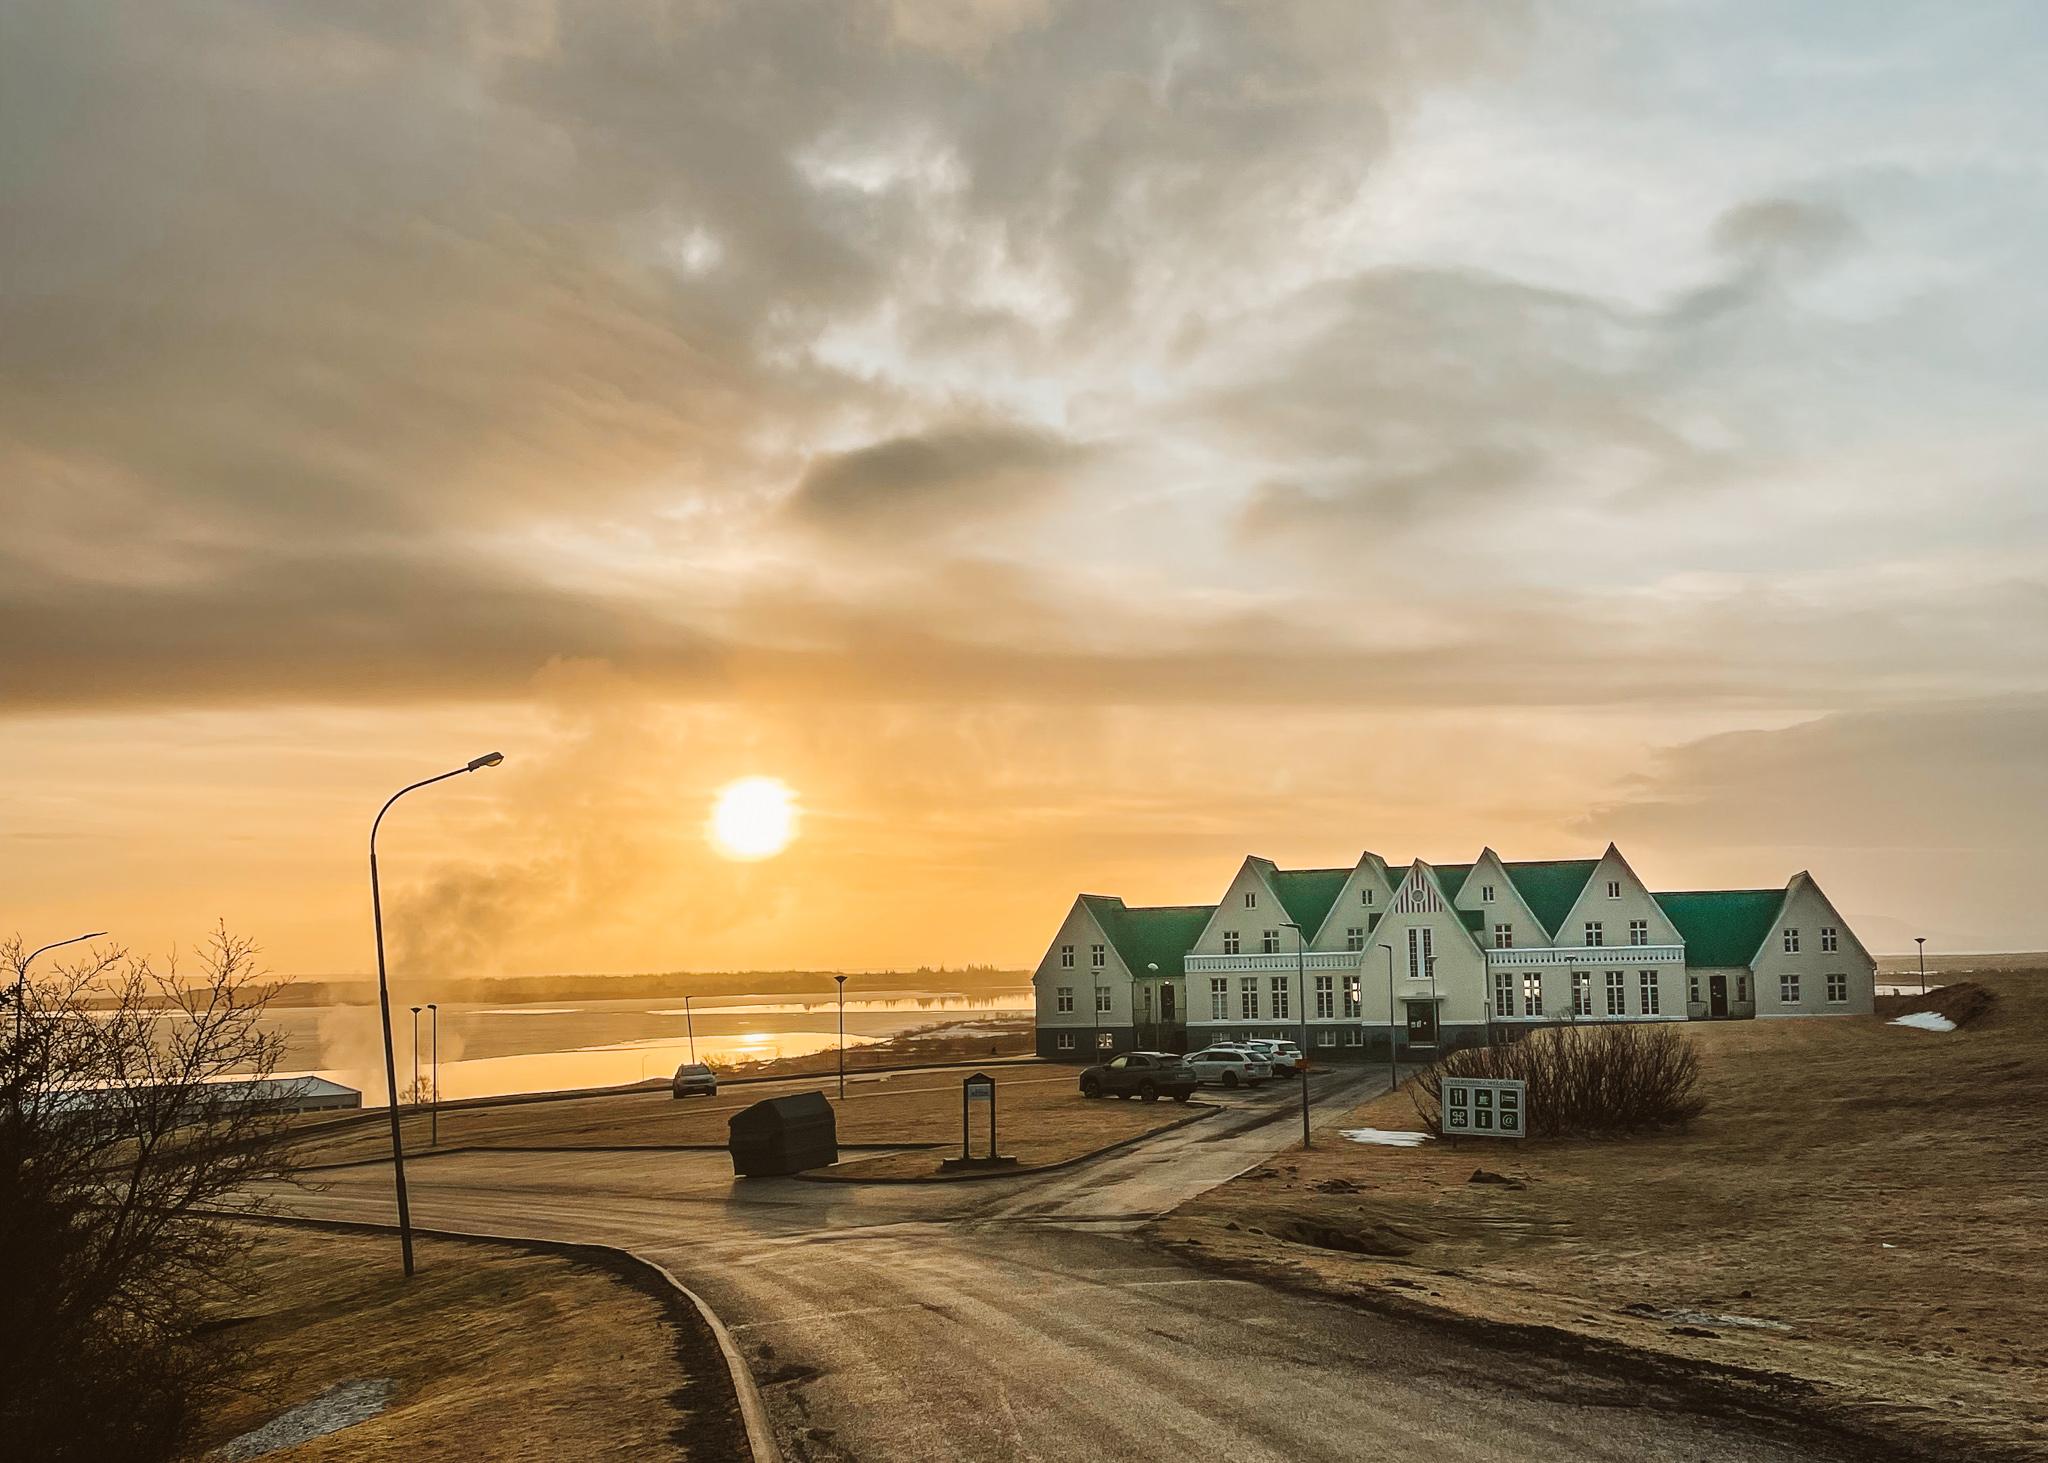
(693, 1079)
(1147, 1075)
(1284, 1055)
(1230, 1066)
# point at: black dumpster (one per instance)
(783, 1135)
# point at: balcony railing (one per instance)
(1283, 964)
(1585, 957)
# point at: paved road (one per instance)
(1016, 1318)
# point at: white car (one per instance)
(1230, 1066)
(1284, 1056)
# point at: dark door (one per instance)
(1166, 1003)
(1717, 995)
(1422, 1023)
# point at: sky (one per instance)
(1071, 445)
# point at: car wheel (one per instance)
(1183, 1096)
(1147, 1091)
(1230, 1079)
(1090, 1087)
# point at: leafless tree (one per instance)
(1624, 1078)
(128, 1122)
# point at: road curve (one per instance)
(1015, 1319)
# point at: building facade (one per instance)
(1434, 956)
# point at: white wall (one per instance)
(1808, 912)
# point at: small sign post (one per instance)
(1485, 1107)
(975, 1091)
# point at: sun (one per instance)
(753, 818)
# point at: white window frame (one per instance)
(1103, 1005)
(1326, 1036)
(1251, 899)
(1788, 988)
(1532, 993)
(1617, 992)
(1105, 1041)
(1269, 942)
(1504, 937)
(1639, 932)
(1066, 957)
(1365, 896)
(1791, 933)
(1232, 945)
(1582, 993)
(1098, 957)
(1064, 1041)
(1281, 989)
(1830, 939)
(1692, 990)
(1421, 950)
(1354, 937)
(1504, 993)
(1354, 998)
(1063, 998)
(1326, 998)
(1652, 995)
(1248, 998)
(1354, 1036)
(1596, 934)
(1838, 988)
(1614, 888)
(1486, 893)
(1219, 998)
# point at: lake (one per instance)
(490, 1050)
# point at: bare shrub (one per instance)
(1583, 1079)
(126, 1119)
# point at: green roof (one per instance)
(1475, 919)
(1551, 887)
(1307, 894)
(1160, 934)
(1451, 877)
(1722, 926)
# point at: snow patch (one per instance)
(1387, 1137)
(340, 1406)
(1926, 1021)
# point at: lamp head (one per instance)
(489, 759)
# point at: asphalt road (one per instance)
(1018, 1318)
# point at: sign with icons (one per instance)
(1485, 1107)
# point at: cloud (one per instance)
(954, 477)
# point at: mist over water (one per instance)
(494, 1048)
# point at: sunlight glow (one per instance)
(753, 818)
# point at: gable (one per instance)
(1550, 887)
(1634, 902)
(1722, 927)
(1254, 876)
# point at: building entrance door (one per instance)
(1717, 995)
(1422, 1023)
(1166, 1003)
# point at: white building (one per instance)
(1433, 955)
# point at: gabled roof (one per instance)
(1157, 934)
(1722, 926)
(1550, 887)
(1307, 894)
(1452, 877)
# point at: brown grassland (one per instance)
(1042, 1119)
(1875, 1194)
(494, 1353)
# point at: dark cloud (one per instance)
(947, 477)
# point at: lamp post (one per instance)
(1393, 1066)
(416, 1054)
(1436, 1015)
(475, 764)
(1095, 993)
(21, 972)
(840, 981)
(1154, 1002)
(1921, 941)
(1301, 997)
(434, 1112)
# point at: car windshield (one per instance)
(693, 1070)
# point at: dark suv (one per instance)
(1150, 1075)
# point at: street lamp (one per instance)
(434, 1112)
(1393, 1066)
(1921, 941)
(1301, 997)
(475, 764)
(1153, 1001)
(416, 1054)
(690, 1027)
(840, 981)
(21, 973)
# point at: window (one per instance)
(1365, 895)
(1741, 987)
(1354, 1036)
(1582, 993)
(1098, 955)
(1251, 899)
(1791, 941)
(1486, 893)
(1419, 953)
(1596, 932)
(1352, 1006)
(1230, 942)
(1788, 989)
(1692, 989)
(1326, 1036)
(1651, 1004)
(1248, 999)
(1830, 939)
(1503, 937)
(1639, 932)
(1269, 942)
(1105, 1042)
(1280, 1012)
(1503, 993)
(1066, 957)
(1354, 938)
(1326, 997)
(1532, 993)
(1614, 888)
(1838, 989)
(1066, 1041)
(1102, 1000)
(1219, 998)
(1617, 993)
(1063, 998)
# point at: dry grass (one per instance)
(496, 1353)
(1879, 1191)
(1042, 1119)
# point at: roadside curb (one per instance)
(826, 1176)
(753, 1412)
(383, 1160)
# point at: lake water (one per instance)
(491, 1050)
